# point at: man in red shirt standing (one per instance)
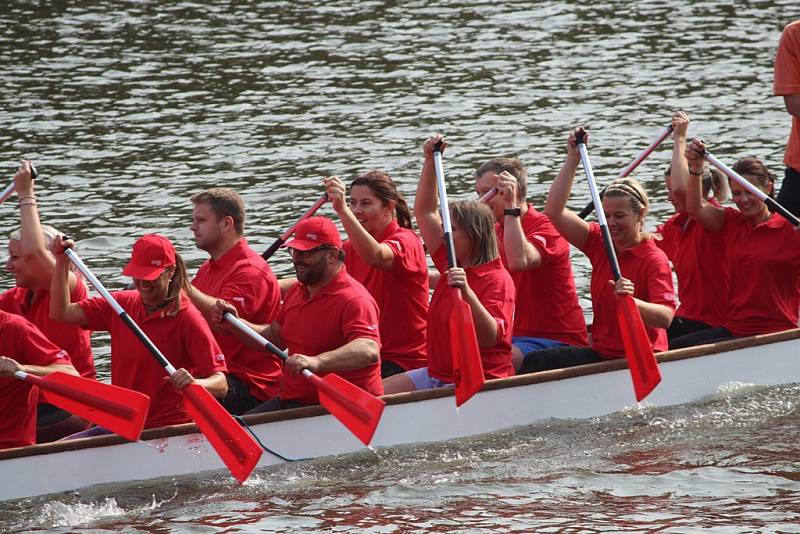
(787, 85)
(328, 321)
(240, 276)
(23, 348)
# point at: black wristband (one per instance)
(514, 212)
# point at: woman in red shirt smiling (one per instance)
(645, 269)
(386, 256)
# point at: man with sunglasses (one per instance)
(328, 321)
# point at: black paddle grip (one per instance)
(272, 249)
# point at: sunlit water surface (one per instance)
(130, 107)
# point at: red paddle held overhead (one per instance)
(289, 231)
(632, 165)
(237, 449)
(467, 366)
(641, 360)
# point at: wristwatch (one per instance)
(514, 212)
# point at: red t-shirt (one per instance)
(495, 289)
(648, 268)
(184, 339)
(699, 259)
(343, 310)
(547, 302)
(70, 337)
(787, 82)
(242, 278)
(401, 294)
(23, 342)
(764, 263)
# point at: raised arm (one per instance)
(710, 216)
(679, 175)
(32, 243)
(61, 309)
(521, 254)
(426, 200)
(367, 247)
(573, 228)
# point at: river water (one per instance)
(129, 107)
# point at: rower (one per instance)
(479, 275)
(547, 313)
(24, 348)
(645, 269)
(32, 266)
(239, 275)
(328, 320)
(160, 306)
(697, 254)
(386, 256)
(763, 252)
(787, 84)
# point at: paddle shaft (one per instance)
(289, 231)
(758, 193)
(631, 166)
(598, 205)
(123, 315)
(444, 209)
(271, 347)
(9, 190)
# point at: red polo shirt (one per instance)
(343, 310)
(699, 259)
(70, 337)
(242, 278)
(184, 339)
(494, 288)
(764, 262)
(401, 294)
(23, 342)
(547, 302)
(648, 268)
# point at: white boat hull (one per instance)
(599, 389)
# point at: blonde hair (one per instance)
(476, 220)
(48, 232)
(632, 189)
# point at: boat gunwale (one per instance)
(415, 396)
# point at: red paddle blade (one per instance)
(356, 409)
(641, 360)
(467, 365)
(238, 450)
(118, 409)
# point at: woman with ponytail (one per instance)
(697, 254)
(763, 252)
(645, 269)
(386, 256)
(160, 306)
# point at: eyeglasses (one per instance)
(303, 254)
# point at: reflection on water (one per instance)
(130, 107)
(729, 462)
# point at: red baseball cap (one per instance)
(152, 253)
(315, 232)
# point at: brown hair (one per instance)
(475, 218)
(631, 188)
(514, 167)
(224, 202)
(713, 181)
(178, 287)
(385, 189)
(754, 167)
